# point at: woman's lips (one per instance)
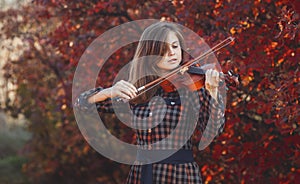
(172, 60)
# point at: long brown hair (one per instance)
(151, 48)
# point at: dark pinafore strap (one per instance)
(180, 157)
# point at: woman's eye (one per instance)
(174, 46)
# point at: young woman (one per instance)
(160, 51)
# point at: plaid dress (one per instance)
(158, 119)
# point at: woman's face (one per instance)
(173, 57)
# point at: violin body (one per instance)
(194, 79)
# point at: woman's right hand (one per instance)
(123, 89)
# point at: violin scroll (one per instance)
(232, 79)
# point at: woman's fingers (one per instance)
(131, 88)
(124, 89)
(212, 82)
(212, 78)
(123, 95)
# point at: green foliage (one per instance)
(259, 144)
(10, 169)
(12, 139)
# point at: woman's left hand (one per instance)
(212, 79)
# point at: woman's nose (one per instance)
(171, 52)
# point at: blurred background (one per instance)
(42, 41)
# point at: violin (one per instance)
(193, 79)
(190, 74)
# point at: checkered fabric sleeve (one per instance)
(82, 103)
(211, 116)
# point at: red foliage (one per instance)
(260, 143)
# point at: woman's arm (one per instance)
(121, 89)
(211, 119)
(211, 112)
(101, 97)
